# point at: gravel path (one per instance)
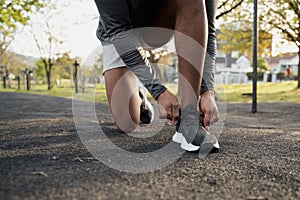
(42, 156)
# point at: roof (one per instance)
(285, 56)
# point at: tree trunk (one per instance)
(299, 68)
(48, 68)
(49, 80)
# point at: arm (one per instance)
(207, 103)
(210, 60)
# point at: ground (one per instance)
(42, 156)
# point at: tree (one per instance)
(280, 16)
(240, 39)
(40, 70)
(263, 64)
(227, 6)
(284, 16)
(14, 14)
(49, 49)
(98, 66)
(64, 66)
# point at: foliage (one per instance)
(62, 69)
(263, 64)
(98, 66)
(40, 70)
(227, 6)
(280, 16)
(284, 16)
(15, 12)
(50, 50)
(236, 31)
(260, 75)
(64, 66)
(240, 39)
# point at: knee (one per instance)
(125, 120)
(128, 126)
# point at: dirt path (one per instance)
(42, 156)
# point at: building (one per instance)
(281, 62)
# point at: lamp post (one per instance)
(255, 44)
(4, 75)
(75, 75)
(27, 72)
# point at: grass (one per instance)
(266, 92)
(90, 93)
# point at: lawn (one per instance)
(266, 92)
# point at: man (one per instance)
(124, 66)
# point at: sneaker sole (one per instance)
(179, 138)
(204, 147)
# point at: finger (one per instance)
(201, 120)
(215, 117)
(175, 113)
(206, 120)
(169, 112)
(162, 112)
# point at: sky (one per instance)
(75, 22)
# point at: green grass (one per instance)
(266, 92)
(90, 93)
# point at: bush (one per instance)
(281, 76)
(260, 75)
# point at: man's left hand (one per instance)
(208, 108)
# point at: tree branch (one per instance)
(231, 9)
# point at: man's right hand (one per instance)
(168, 106)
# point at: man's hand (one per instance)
(168, 106)
(208, 108)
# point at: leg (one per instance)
(123, 97)
(188, 18)
(191, 20)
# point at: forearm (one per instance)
(210, 60)
(127, 46)
(204, 87)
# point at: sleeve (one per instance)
(210, 59)
(117, 25)
(204, 87)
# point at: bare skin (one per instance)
(122, 87)
(197, 30)
(209, 109)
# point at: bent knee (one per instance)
(127, 127)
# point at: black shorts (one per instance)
(143, 12)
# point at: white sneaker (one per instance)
(191, 135)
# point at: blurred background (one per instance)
(50, 47)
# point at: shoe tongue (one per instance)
(187, 112)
